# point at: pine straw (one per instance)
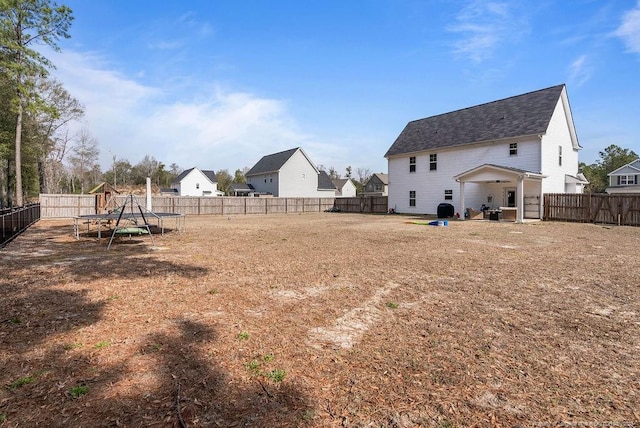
(375, 322)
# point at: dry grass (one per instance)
(371, 320)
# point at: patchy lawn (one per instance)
(323, 320)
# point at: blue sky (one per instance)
(219, 84)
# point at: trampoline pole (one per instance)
(115, 228)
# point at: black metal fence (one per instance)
(14, 221)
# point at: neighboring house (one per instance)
(344, 187)
(240, 189)
(195, 182)
(625, 179)
(289, 174)
(505, 153)
(376, 185)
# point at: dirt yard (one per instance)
(323, 320)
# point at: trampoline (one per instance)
(136, 222)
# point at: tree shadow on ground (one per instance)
(172, 379)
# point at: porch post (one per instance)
(520, 200)
(462, 209)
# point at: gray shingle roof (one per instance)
(271, 163)
(324, 182)
(526, 114)
(209, 173)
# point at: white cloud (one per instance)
(483, 26)
(629, 30)
(215, 128)
(580, 71)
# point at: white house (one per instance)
(344, 187)
(625, 179)
(289, 174)
(196, 182)
(505, 153)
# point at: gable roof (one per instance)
(324, 182)
(272, 162)
(240, 187)
(383, 178)
(628, 169)
(340, 182)
(207, 173)
(518, 116)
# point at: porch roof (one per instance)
(490, 173)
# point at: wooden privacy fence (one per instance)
(363, 204)
(65, 206)
(621, 209)
(14, 221)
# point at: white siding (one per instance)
(299, 178)
(265, 183)
(348, 190)
(430, 185)
(195, 184)
(558, 135)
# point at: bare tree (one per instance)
(363, 175)
(58, 109)
(84, 156)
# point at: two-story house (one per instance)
(505, 153)
(625, 179)
(289, 174)
(376, 185)
(196, 182)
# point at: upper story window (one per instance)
(197, 185)
(378, 187)
(448, 195)
(626, 180)
(513, 149)
(559, 155)
(412, 164)
(433, 162)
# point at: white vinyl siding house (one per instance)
(345, 188)
(196, 182)
(625, 179)
(289, 174)
(500, 154)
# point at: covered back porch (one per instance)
(514, 193)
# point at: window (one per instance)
(412, 164)
(378, 187)
(197, 185)
(559, 155)
(303, 176)
(448, 195)
(626, 180)
(513, 149)
(433, 162)
(412, 198)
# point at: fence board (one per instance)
(363, 204)
(622, 209)
(66, 206)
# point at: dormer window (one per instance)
(513, 149)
